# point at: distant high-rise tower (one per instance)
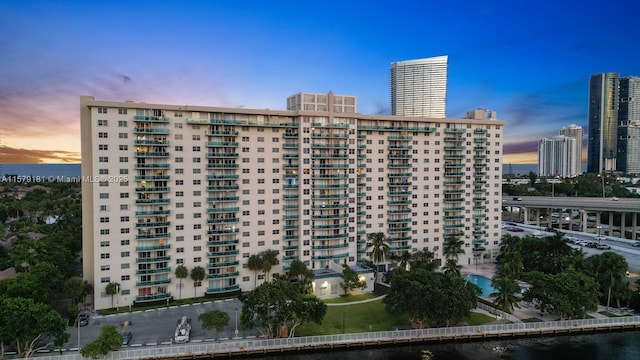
(576, 132)
(603, 122)
(419, 87)
(628, 156)
(556, 156)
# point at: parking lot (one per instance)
(157, 326)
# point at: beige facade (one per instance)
(165, 185)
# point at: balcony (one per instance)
(223, 177)
(153, 282)
(223, 275)
(224, 289)
(221, 144)
(222, 264)
(152, 212)
(454, 131)
(330, 257)
(152, 259)
(223, 209)
(152, 201)
(343, 235)
(164, 270)
(154, 224)
(151, 142)
(222, 187)
(152, 236)
(327, 247)
(223, 253)
(151, 298)
(153, 189)
(151, 166)
(151, 154)
(148, 118)
(329, 135)
(222, 166)
(151, 177)
(223, 242)
(151, 131)
(153, 248)
(221, 155)
(222, 198)
(223, 220)
(221, 133)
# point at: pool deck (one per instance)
(527, 310)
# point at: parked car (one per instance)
(592, 244)
(517, 229)
(126, 338)
(603, 247)
(83, 319)
(601, 237)
(636, 244)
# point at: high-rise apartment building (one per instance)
(576, 132)
(602, 143)
(557, 157)
(628, 156)
(614, 117)
(419, 87)
(170, 185)
(322, 102)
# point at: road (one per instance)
(157, 326)
(619, 246)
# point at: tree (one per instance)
(404, 259)
(269, 260)
(532, 178)
(301, 276)
(569, 294)
(507, 292)
(181, 273)
(197, 275)
(430, 298)
(254, 263)
(452, 247)
(27, 322)
(74, 287)
(379, 246)
(510, 258)
(609, 270)
(423, 259)
(214, 320)
(112, 289)
(279, 303)
(350, 280)
(108, 340)
(452, 268)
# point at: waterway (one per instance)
(600, 346)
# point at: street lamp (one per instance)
(599, 227)
(236, 332)
(601, 176)
(344, 316)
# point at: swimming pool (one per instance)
(485, 284)
(482, 282)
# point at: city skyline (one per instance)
(530, 63)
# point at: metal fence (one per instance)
(309, 342)
(497, 312)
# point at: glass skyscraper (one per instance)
(603, 122)
(419, 87)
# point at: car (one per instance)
(517, 199)
(613, 198)
(601, 237)
(83, 319)
(516, 229)
(636, 244)
(603, 247)
(592, 244)
(126, 337)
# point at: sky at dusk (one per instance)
(530, 61)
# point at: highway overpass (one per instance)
(536, 210)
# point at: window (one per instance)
(196, 148)
(122, 112)
(123, 136)
(197, 259)
(102, 110)
(124, 254)
(102, 122)
(178, 148)
(123, 147)
(103, 147)
(103, 159)
(103, 135)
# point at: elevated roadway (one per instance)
(588, 208)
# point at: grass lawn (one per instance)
(366, 317)
(350, 298)
(478, 319)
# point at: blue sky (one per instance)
(529, 61)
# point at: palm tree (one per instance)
(112, 289)
(611, 269)
(181, 273)
(254, 263)
(379, 246)
(510, 257)
(403, 259)
(451, 267)
(452, 247)
(302, 275)
(506, 290)
(269, 260)
(197, 275)
(87, 289)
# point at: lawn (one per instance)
(365, 317)
(350, 298)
